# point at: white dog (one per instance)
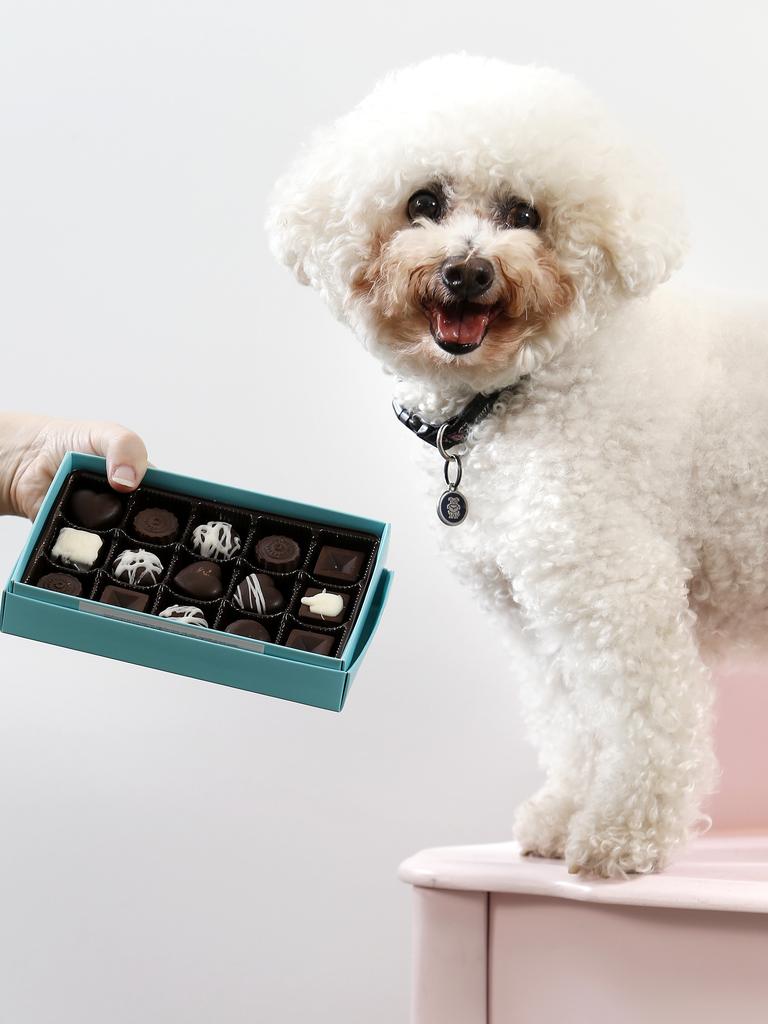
(480, 226)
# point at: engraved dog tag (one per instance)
(452, 507)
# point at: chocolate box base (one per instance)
(213, 655)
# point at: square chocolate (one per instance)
(78, 548)
(124, 598)
(313, 643)
(339, 564)
(333, 620)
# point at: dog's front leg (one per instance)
(616, 610)
(565, 750)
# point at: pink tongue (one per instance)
(466, 328)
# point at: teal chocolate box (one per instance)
(85, 623)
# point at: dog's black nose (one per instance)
(467, 279)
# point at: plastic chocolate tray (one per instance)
(250, 524)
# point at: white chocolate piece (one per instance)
(77, 548)
(215, 540)
(324, 604)
(184, 613)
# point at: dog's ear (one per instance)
(295, 218)
(645, 238)
(311, 222)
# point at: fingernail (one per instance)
(124, 475)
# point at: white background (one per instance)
(177, 851)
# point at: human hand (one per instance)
(32, 447)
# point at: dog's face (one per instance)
(470, 218)
(462, 277)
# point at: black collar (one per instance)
(457, 427)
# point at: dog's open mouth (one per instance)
(459, 328)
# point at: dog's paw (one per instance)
(541, 823)
(609, 847)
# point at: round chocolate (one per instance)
(184, 613)
(95, 510)
(249, 628)
(156, 524)
(258, 593)
(216, 540)
(61, 583)
(278, 553)
(201, 580)
(141, 568)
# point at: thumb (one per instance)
(125, 454)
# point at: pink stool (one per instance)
(502, 939)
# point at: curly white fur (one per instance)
(619, 500)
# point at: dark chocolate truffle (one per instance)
(305, 611)
(201, 580)
(124, 598)
(314, 643)
(61, 583)
(157, 525)
(258, 593)
(339, 564)
(95, 510)
(184, 613)
(249, 628)
(278, 553)
(216, 540)
(140, 568)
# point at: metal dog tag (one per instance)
(452, 506)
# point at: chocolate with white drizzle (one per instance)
(184, 613)
(216, 540)
(140, 568)
(258, 593)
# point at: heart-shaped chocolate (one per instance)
(201, 580)
(258, 593)
(95, 510)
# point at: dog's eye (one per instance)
(526, 216)
(518, 214)
(424, 204)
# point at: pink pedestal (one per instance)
(742, 727)
(501, 939)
